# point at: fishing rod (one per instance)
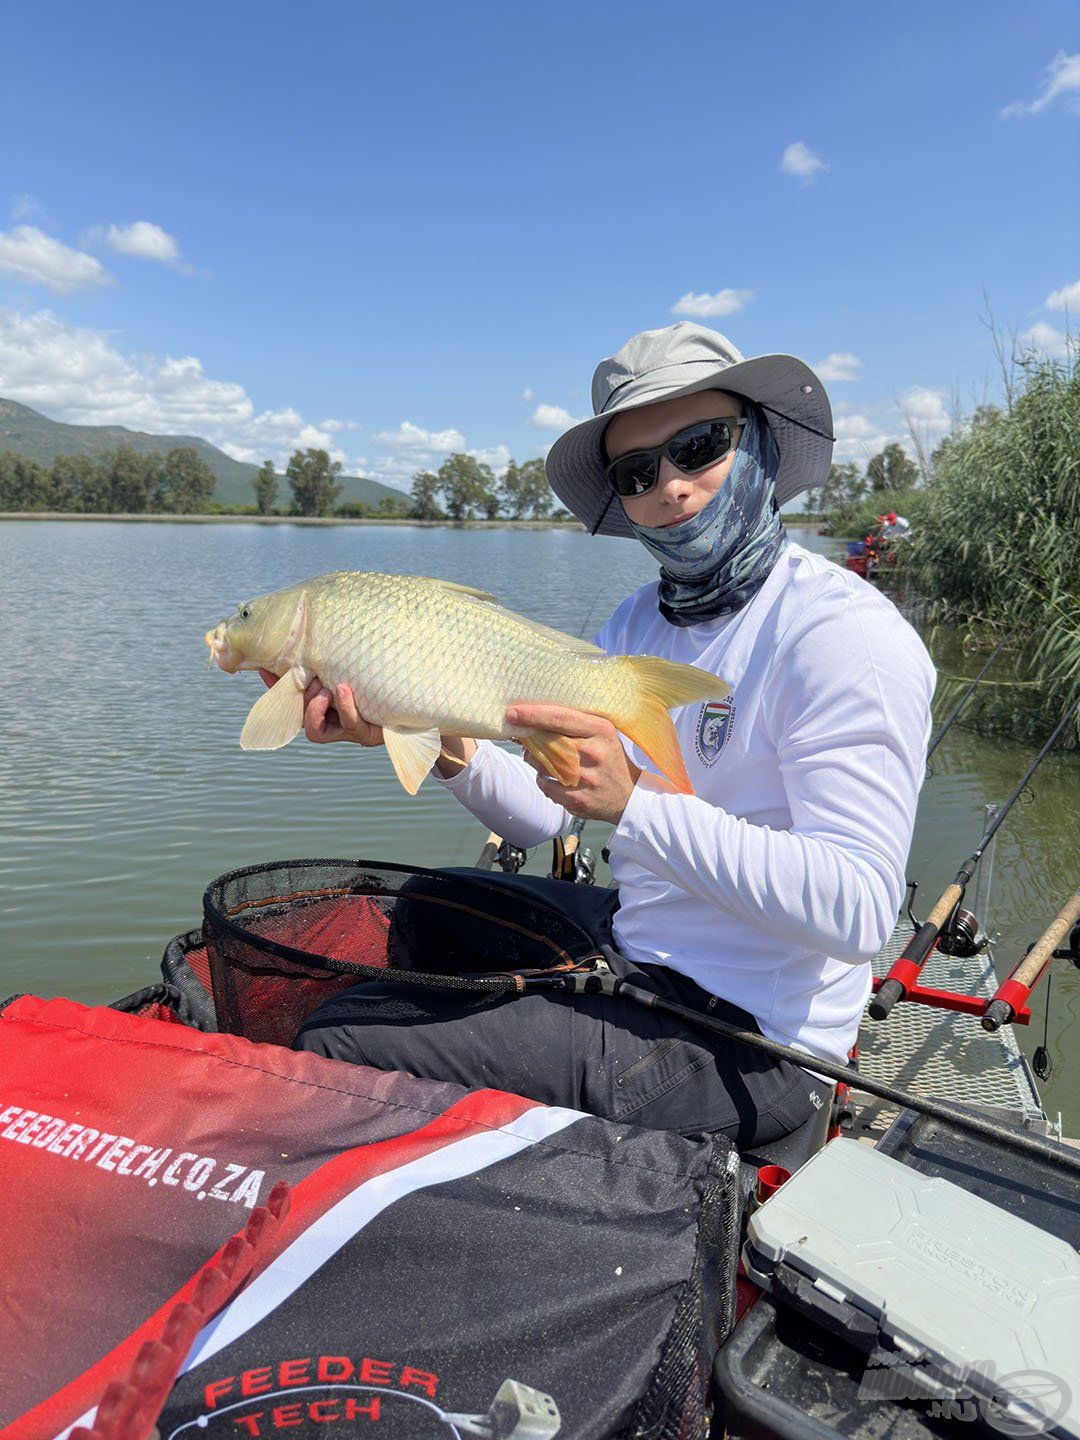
(1012, 994)
(946, 919)
(604, 982)
(498, 851)
(570, 859)
(962, 702)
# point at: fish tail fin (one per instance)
(660, 686)
(558, 756)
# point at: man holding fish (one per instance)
(759, 872)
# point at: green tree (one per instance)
(464, 484)
(312, 476)
(425, 496)
(538, 493)
(525, 491)
(186, 484)
(394, 507)
(24, 484)
(513, 492)
(266, 488)
(82, 482)
(133, 479)
(843, 487)
(491, 501)
(892, 470)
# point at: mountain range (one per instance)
(35, 436)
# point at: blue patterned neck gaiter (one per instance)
(715, 563)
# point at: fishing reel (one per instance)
(961, 935)
(510, 858)
(1072, 950)
(572, 861)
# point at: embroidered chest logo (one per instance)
(714, 729)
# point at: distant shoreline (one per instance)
(169, 519)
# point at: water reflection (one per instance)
(125, 790)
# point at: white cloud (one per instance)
(310, 437)
(1062, 78)
(859, 437)
(1046, 340)
(77, 375)
(497, 456)
(854, 427)
(411, 438)
(724, 302)
(1067, 298)
(552, 417)
(925, 409)
(839, 365)
(143, 239)
(800, 161)
(30, 255)
(248, 454)
(528, 394)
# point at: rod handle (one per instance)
(1012, 994)
(948, 902)
(998, 1013)
(880, 1004)
(1031, 967)
(905, 970)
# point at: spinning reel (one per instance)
(961, 935)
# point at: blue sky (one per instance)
(401, 230)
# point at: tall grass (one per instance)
(997, 547)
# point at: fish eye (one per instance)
(245, 613)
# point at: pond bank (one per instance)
(170, 519)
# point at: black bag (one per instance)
(579, 1287)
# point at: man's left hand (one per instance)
(607, 774)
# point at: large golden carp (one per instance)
(427, 658)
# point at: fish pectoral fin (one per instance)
(276, 716)
(412, 754)
(557, 755)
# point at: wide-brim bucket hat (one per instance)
(680, 360)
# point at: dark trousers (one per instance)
(603, 1054)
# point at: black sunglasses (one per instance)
(689, 450)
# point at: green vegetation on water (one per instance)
(995, 545)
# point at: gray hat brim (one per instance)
(793, 398)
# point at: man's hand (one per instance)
(332, 715)
(608, 775)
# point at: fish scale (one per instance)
(428, 657)
(421, 655)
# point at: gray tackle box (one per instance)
(955, 1294)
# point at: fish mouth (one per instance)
(220, 650)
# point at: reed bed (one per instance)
(996, 550)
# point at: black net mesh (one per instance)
(186, 966)
(283, 937)
(675, 1405)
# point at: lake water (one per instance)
(125, 790)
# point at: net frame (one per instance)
(243, 908)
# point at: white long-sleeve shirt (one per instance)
(777, 881)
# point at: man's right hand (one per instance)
(332, 715)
